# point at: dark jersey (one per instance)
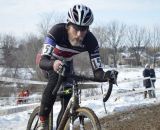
(57, 45)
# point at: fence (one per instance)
(16, 109)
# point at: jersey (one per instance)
(57, 45)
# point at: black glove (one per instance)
(111, 75)
(62, 69)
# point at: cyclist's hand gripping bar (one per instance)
(113, 77)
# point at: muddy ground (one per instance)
(141, 118)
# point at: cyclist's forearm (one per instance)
(46, 63)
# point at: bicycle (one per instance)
(74, 117)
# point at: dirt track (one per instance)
(144, 118)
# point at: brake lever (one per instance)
(114, 75)
(116, 83)
(113, 81)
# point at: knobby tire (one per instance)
(84, 111)
(32, 118)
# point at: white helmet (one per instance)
(80, 15)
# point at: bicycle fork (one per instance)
(81, 120)
(74, 106)
(65, 115)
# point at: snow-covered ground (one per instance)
(18, 121)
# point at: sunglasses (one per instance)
(80, 28)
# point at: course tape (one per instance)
(14, 80)
(17, 109)
(133, 92)
(7, 79)
(117, 95)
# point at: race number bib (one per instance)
(47, 49)
(96, 63)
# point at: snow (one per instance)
(115, 104)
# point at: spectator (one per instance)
(23, 96)
(147, 82)
(152, 75)
(26, 95)
(20, 97)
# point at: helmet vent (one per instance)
(79, 7)
(80, 15)
(87, 17)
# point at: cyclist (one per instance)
(63, 41)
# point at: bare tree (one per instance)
(28, 51)
(154, 47)
(48, 20)
(100, 33)
(138, 40)
(9, 48)
(115, 34)
(9, 44)
(1, 52)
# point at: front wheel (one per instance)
(34, 120)
(85, 119)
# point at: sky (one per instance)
(121, 104)
(23, 16)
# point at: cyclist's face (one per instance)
(76, 34)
